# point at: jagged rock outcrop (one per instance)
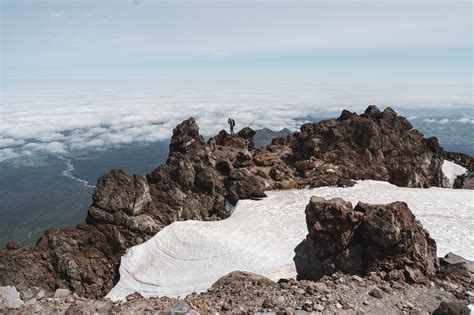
(461, 159)
(375, 145)
(385, 238)
(199, 178)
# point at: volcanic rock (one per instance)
(457, 268)
(465, 181)
(451, 308)
(383, 238)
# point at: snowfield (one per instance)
(260, 237)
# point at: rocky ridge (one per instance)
(200, 179)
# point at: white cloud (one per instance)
(50, 147)
(88, 119)
(437, 121)
(9, 142)
(7, 154)
(466, 120)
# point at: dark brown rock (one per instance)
(376, 145)
(456, 268)
(384, 238)
(240, 277)
(451, 308)
(465, 181)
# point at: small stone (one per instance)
(357, 278)
(373, 276)
(40, 294)
(134, 296)
(453, 286)
(338, 306)
(308, 307)
(69, 299)
(321, 287)
(30, 302)
(409, 305)
(376, 292)
(280, 300)
(365, 303)
(103, 306)
(61, 293)
(318, 307)
(298, 290)
(267, 303)
(226, 307)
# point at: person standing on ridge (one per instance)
(231, 123)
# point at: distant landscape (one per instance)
(39, 196)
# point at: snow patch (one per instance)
(451, 170)
(260, 237)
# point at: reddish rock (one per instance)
(384, 238)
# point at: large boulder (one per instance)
(117, 191)
(367, 238)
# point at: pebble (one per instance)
(267, 303)
(318, 307)
(322, 287)
(61, 293)
(375, 292)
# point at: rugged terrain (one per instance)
(388, 266)
(200, 180)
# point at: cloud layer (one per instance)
(40, 121)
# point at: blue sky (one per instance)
(337, 41)
(80, 75)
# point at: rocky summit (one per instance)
(202, 180)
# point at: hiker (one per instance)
(231, 123)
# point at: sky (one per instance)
(81, 74)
